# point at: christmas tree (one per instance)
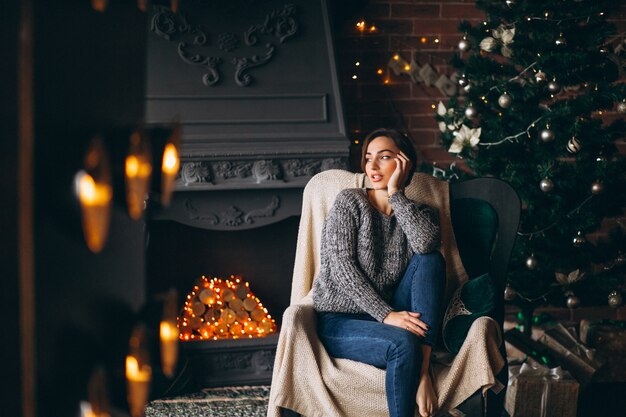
(540, 104)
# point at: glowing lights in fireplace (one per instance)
(224, 309)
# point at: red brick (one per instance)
(462, 11)
(410, 42)
(421, 91)
(397, 26)
(415, 10)
(423, 122)
(424, 137)
(425, 26)
(385, 91)
(414, 106)
(436, 154)
(373, 11)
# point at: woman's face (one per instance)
(380, 161)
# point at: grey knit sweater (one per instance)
(364, 252)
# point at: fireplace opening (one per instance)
(177, 255)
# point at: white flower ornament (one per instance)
(465, 137)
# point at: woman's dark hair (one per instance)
(402, 142)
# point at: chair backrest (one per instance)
(485, 217)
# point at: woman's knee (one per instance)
(405, 344)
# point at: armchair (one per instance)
(479, 220)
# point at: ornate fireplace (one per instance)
(254, 87)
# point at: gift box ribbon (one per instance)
(546, 374)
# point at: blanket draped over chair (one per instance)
(307, 380)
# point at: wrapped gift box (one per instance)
(608, 338)
(574, 356)
(541, 392)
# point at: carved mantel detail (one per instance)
(232, 216)
(193, 40)
(278, 172)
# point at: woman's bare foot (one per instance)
(426, 397)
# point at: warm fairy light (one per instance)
(436, 40)
(379, 71)
(424, 39)
(360, 25)
(356, 142)
(433, 106)
(356, 64)
(354, 77)
(373, 29)
(407, 67)
(224, 309)
(134, 372)
(396, 57)
(386, 80)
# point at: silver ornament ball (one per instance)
(597, 187)
(464, 45)
(573, 301)
(547, 135)
(531, 262)
(471, 112)
(505, 101)
(574, 145)
(579, 240)
(621, 107)
(509, 293)
(615, 299)
(546, 185)
(554, 87)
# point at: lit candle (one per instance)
(95, 203)
(138, 379)
(169, 347)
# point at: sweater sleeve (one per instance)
(420, 224)
(342, 227)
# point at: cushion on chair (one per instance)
(475, 225)
(475, 298)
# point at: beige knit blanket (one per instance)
(307, 380)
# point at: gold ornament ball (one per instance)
(547, 135)
(574, 145)
(505, 101)
(621, 107)
(579, 240)
(573, 301)
(531, 262)
(597, 187)
(615, 299)
(546, 185)
(464, 45)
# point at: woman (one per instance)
(381, 279)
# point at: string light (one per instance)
(226, 309)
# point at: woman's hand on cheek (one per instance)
(400, 174)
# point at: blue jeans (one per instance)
(361, 338)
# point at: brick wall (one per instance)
(426, 31)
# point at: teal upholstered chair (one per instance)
(485, 215)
